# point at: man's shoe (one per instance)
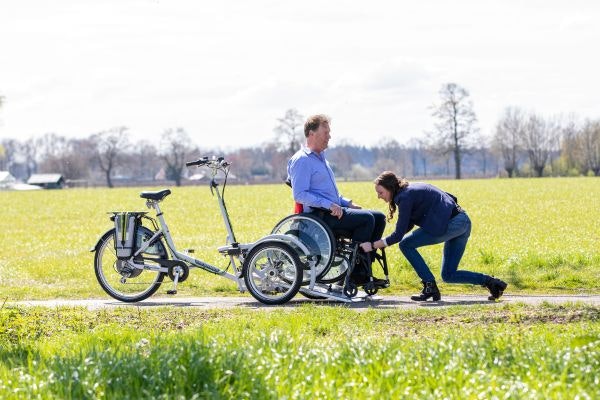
(496, 287)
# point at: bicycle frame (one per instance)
(236, 251)
(272, 269)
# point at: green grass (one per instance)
(541, 235)
(492, 352)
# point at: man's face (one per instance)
(321, 137)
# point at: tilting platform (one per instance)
(334, 292)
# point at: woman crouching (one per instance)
(440, 220)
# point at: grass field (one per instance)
(312, 352)
(541, 235)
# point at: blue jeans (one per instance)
(455, 240)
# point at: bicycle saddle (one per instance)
(158, 196)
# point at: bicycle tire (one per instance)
(272, 272)
(110, 271)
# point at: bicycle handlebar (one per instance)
(214, 162)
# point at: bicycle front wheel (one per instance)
(118, 278)
(272, 272)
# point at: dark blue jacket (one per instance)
(423, 205)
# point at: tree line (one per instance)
(523, 143)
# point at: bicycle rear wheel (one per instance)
(119, 279)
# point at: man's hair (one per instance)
(313, 122)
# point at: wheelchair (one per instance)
(332, 259)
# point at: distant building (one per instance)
(47, 181)
(6, 180)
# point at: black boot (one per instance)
(495, 286)
(430, 289)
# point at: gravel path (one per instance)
(376, 302)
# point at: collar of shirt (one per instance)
(308, 152)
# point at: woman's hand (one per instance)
(355, 206)
(366, 246)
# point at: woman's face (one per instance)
(383, 193)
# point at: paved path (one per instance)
(378, 302)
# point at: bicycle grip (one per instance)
(199, 162)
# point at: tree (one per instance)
(507, 139)
(388, 155)
(571, 151)
(456, 122)
(341, 159)
(419, 150)
(482, 149)
(143, 161)
(9, 150)
(537, 139)
(176, 146)
(290, 132)
(29, 149)
(590, 145)
(109, 147)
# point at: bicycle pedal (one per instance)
(171, 291)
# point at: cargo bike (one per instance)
(301, 254)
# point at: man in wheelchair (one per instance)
(314, 187)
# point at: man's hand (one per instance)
(336, 211)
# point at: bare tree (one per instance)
(290, 132)
(456, 122)
(143, 161)
(109, 147)
(387, 155)
(420, 151)
(9, 149)
(30, 150)
(275, 161)
(175, 147)
(507, 138)
(537, 139)
(482, 150)
(590, 145)
(2, 157)
(571, 150)
(341, 159)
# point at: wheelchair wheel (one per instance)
(272, 272)
(337, 270)
(350, 290)
(371, 290)
(316, 236)
(119, 279)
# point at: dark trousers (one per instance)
(363, 225)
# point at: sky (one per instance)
(225, 71)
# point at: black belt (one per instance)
(456, 210)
